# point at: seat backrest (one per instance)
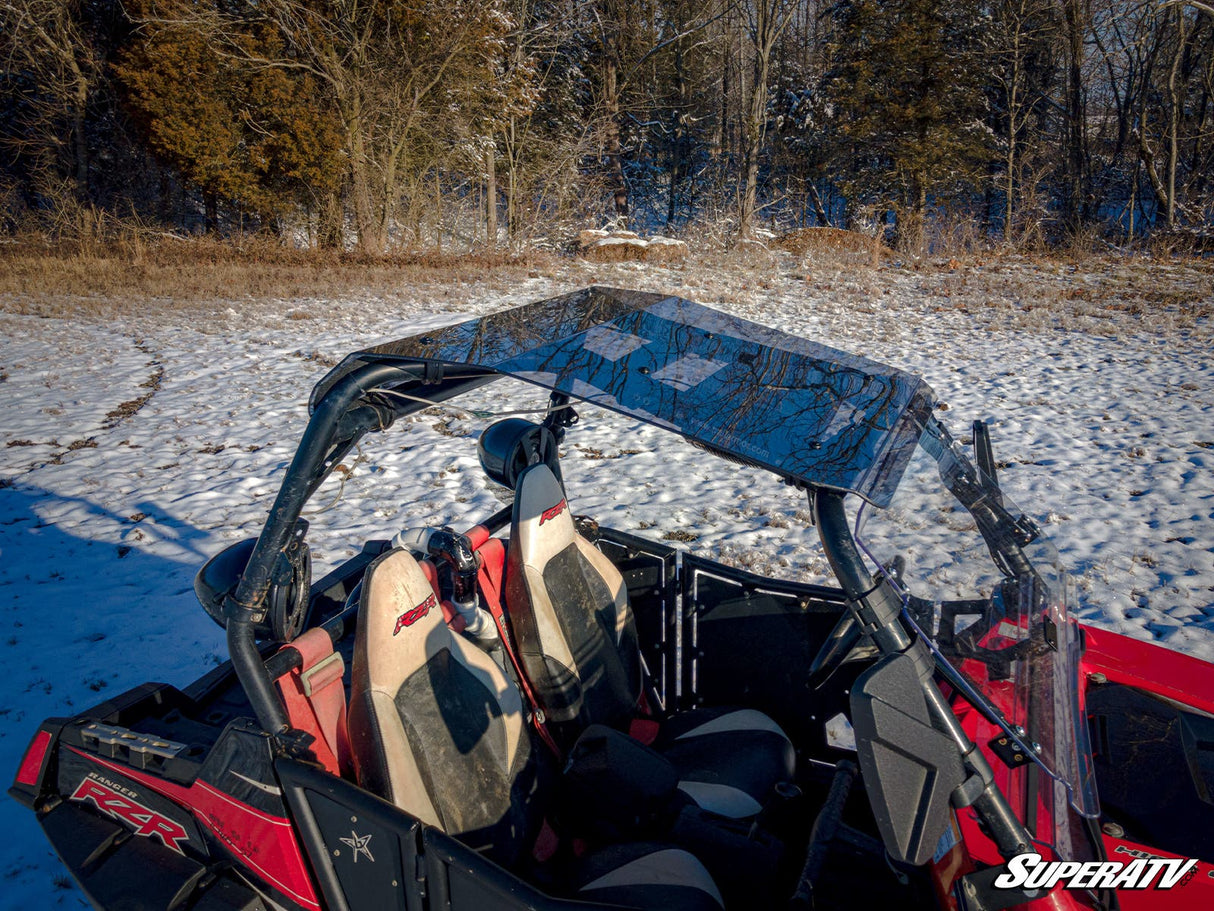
(568, 607)
(436, 727)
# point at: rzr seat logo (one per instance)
(1029, 871)
(411, 616)
(553, 512)
(146, 822)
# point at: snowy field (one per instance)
(140, 439)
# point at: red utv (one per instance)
(538, 711)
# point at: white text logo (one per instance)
(1029, 871)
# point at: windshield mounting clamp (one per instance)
(1012, 754)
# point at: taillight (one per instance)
(31, 765)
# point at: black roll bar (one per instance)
(346, 411)
(878, 614)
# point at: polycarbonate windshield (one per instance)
(988, 589)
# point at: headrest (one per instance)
(507, 447)
(399, 607)
(541, 512)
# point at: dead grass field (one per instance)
(201, 276)
(197, 274)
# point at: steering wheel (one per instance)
(846, 634)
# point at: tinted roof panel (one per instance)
(803, 410)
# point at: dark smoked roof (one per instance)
(800, 409)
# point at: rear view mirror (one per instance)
(910, 769)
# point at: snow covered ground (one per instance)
(140, 439)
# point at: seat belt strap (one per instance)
(488, 578)
(315, 698)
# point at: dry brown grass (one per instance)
(59, 280)
(834, 242)
(201, 277)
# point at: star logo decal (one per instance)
(359, 844)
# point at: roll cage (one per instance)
(829, 423)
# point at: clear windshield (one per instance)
(988, 589)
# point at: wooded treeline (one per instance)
(399, 124)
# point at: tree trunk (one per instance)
(490, 195)
(756, 121)
(615, 158)
(1174, 100)
(1013, 104)
(1076, 183)
(365, 227)
(771, 17)
(819, 209)
(80, 139)
(210, 203)
(329, 223)
(511, 181)
(676, 152)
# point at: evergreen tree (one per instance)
(258, 137)
(907, 96)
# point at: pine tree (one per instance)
(908, 103)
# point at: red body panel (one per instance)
(265, 843)
(1121, 660)
(1150, 667)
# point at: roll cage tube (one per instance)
(343, 415)
(877, 611)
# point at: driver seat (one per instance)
(437, 728)
(577, 642)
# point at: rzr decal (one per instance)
(411, 616)
(553, 512)
(1029, 871)
(118, 802)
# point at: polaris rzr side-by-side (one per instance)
(536, 711)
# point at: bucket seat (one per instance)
(577, 642)
(437, 728)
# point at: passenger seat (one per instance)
(577, 641)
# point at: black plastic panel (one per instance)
(459, 879)
(363, 850)
(749, 641)
(649, 570)
(118, 870)
(1154, 769)
(910, 769)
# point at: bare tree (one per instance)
(1023, 35)
(766, 21)
(402, 76)
(44, 41)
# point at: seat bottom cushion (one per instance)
(727, 760)
(647, 875)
